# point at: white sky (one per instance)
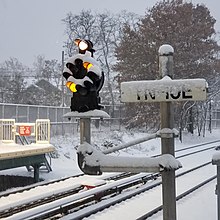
(34, 27)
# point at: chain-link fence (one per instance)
(214, 118)
(59, 124)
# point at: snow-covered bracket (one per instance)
(89, 114)
(168, 133)
(163, 133)
(93, 162)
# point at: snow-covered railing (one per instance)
(94, 162)
(43, 131)
(9, 129)
(131, 143)
(160, 133)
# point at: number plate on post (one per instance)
(164, 90)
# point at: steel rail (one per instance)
(112, 201)
(159, 208)
(115, 193)
(197, 145)
(26, 188)
(198, 151)
(53, 197)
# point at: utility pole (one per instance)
(62, 88)
(167, 141)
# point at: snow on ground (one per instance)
(201, 206)
(64, 161)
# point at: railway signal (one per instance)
(84, 45)
(84, 78)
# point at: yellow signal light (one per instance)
(83, 45)
(87, 65)
(71, 86)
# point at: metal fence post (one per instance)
(167, 143)
(28, 113)
(62, 80)
(16, 113)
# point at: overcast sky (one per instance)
(34, 27)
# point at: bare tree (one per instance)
(49, 70)
(82, 26)
(104, 30)
(13, 81)
(39, 66)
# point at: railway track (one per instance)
(43, 183)
(82, 204)
(130, 194)
(84, 198)
(182, 195)
(54, 195)
(47, 183)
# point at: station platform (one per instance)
(8, 151)
(15, 154)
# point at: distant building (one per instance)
(42, 93)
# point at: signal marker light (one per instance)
(71, 86)
(87, 65)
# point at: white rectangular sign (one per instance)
(164, 90)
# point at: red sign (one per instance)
(25, 130)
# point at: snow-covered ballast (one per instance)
(94, 162)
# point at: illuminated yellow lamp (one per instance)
(87, 65)
(71, 86)
(83, 45)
